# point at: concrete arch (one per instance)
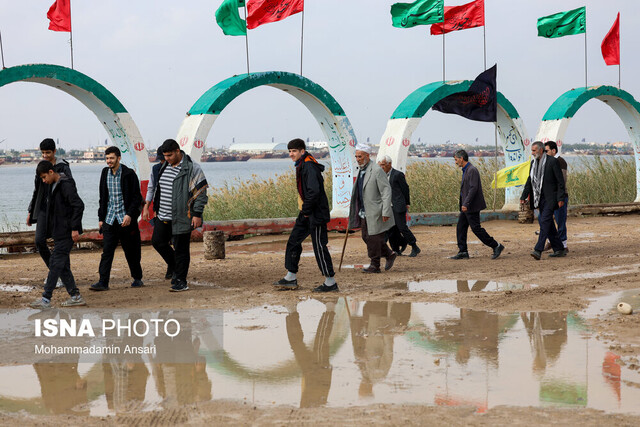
(114, 117)
(326, 110)
(557, 118)
(405, 119)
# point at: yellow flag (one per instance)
(512, 176)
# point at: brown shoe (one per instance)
(390, 261)
(371, 269)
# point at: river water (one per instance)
(16, 183)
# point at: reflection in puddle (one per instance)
(16, 288)
(451, 286)
(344, 352)
(611, 271)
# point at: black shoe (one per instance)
(558, 254)
(536, 254)
(180, 286)
(169, 274)
(371, 269)
(325, 288)
(401, 249)
(497, 251)
(286, 285)
(460, 255)
(137, 283)
(99, 286)
(415, 250)
(390, 260)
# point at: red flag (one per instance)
(461, 17)
(60, 16)
(611, 44)
(264, 11)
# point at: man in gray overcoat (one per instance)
(371, 209)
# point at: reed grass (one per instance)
(435, 187)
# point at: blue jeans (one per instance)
(560, 215)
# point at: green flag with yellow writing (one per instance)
(563, 23)
(420, 12)
(512, 176)
(228, 18)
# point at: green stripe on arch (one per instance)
(219, 96)
(36, 72)
(418, 103)
(567, 104)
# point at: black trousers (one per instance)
(547, 227)
(129, 238)
(376, 245)
(472, 219)
(60, 267)
(403, 228)
(41, 237)
(319, 238)
(178, 257)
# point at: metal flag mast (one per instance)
(246, 35)
(2, 51)
(301, 41)
(71, 34)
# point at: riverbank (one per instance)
(601, 262)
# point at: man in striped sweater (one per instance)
(181, 195)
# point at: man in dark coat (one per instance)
(38, 205)
(118, 212)
(312, 219)
(64, 224)
(400, 201)
(546, 192)
(471, 203)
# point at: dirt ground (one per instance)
(606, 249)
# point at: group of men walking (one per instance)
(177, 189)
(177, 192)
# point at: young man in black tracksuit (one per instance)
(118, 212)
(63, 220)
(38, 205)
(312, 219)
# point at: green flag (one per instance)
(563, 23)
(420, 12)
(228, 18)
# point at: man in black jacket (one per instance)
(63, 221)
(38, 205)
(471, 203)
(546, 192)
(118, 212)
(400, 200)
(312, 219)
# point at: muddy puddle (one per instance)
(452, 286)
(341, 351)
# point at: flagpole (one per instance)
(443, 57)
(484, 31)
(71, 35)
(246, 36)
(585, 54)
(2, 51)
(301, 41)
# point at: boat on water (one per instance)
(213, 157)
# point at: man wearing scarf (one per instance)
(312, 219)
(546, 192)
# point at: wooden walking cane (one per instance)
(344, 246)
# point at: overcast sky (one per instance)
(158, 57)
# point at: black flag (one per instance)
(479, 103)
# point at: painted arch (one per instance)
(325, 109)
(405, 119)
(557, 118)
(114, 117)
